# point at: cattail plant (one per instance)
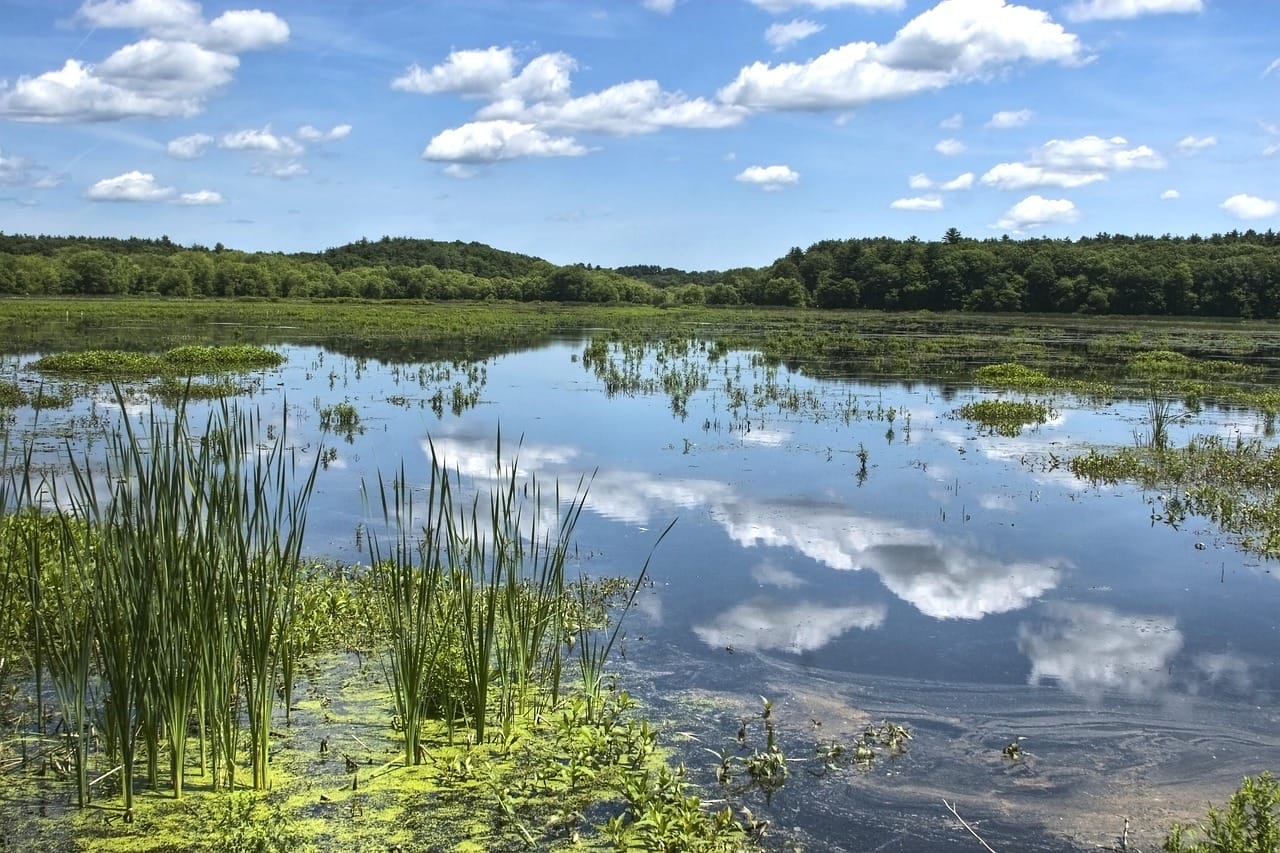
(407, 576)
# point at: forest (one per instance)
(1236, 274)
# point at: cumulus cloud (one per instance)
(638, 106)
(173, 71)
(1244, 206)
(533, 109)
(1192, 144)
(189, 147)
(467, 72)
(307, 133)
(922, 181)
(200, 197)
(954, 42)
(1109, 10)
(1034, 212)
(260, 140)
(491, 141)
(662, 7)
(131, 186)
(1006, 119)
(949, 147)
(1071, 163)
(768, 178)
(782, 36)
(952, 122)
(1170, 195)
(928, 202)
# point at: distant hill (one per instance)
(477, 259)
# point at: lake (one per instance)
(852, 551)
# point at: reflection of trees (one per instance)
(939, 578)
(1092, 650)
(763, 625)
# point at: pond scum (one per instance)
(177, 677)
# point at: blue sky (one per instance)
(690, 133)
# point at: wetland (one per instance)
(1022, 565)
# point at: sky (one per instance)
(698, 134)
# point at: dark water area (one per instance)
(854, 552)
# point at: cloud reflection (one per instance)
(942, 579)
(1091, 650)
(763, 625)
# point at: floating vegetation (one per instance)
(1006, 417)
(1233, 483)
(342, 418)
(1167, 364)
(180, 361)
(11, 395)
(171, 389)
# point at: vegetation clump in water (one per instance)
(180, 361)
(1006, 417)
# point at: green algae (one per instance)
(188, 360)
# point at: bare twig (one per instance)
(951, 807)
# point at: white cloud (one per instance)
(131, 186)
(920, 181)
(1072, 163)
(172, 72)
(1170, 195)
(284, 170)
(1274, 66)
(952, 122)
(782, 36)
(1021, 176)
(14, 170)
(467, 72)
(189, 147)
(956, 41)
(949, 147)
(1192, 144)
(307, 133)
(1107, 10)
(240, 30)
(162, 16)
(490, 141)
(960, 182)
(768, 178)
(928, 202)
(201, 197)
(1035, 212)
(537, 103)
(1271, 150)
(662, 7)
(1243, 206)
(779, 6)
(1006, 119)
(260, 140)
(638, 106)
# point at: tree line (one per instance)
(1236, 274)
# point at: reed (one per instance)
(408, 575)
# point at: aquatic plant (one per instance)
(1006, 417)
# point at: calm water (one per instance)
(965, 584)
